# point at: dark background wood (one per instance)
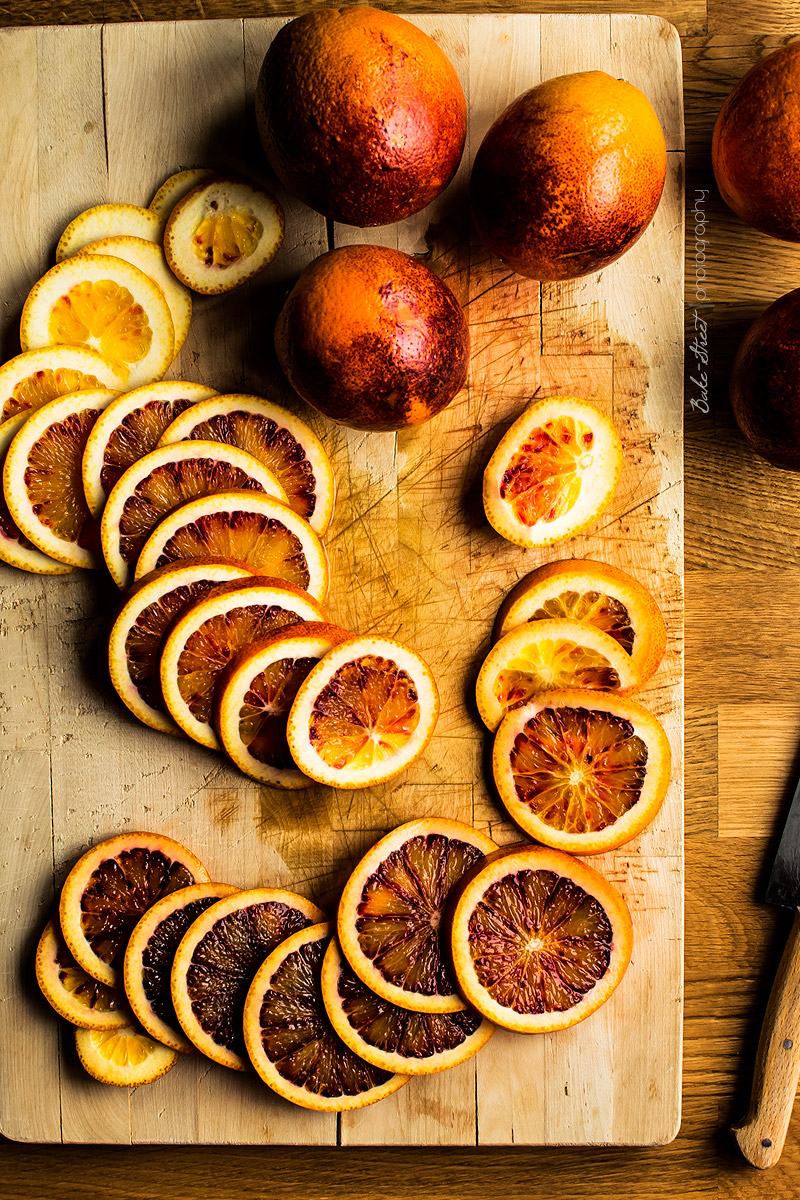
(743, 648)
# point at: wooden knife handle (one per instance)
(762, 1132)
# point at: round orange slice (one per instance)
(391, 911)
(392, 1038)
(151, 952)
(210, 630)
(73, 994)
(255, 692)
(139, 628)
(538, 939)
(175, 188)
(248, 527)
(42, 478)
(161, 482)
(217, 958)
(99, 301)
(110, 887)
(108, 220)
(553, 473)
(15, 548)
(580, 770)
(31, 379)
(542, 655)
(123, 1057)
(278, 438)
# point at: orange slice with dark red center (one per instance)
(31, 379)
(15, 548)
(74, 995)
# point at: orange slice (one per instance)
(42, 478)
(391, 911)
(538, 939)
(74, 995)
(248, 527)
(221, 234)
(553, 473)
(278, 438)
(290, 1040)
(99, 301)
(210, 630)
(128, 429)
(543, 655)
(151, 953)
(31, 379)
(392, 1038)
(123, 1057)
(175, 188)
(253, 696)
(15, 548)
(595, 592)
(581, 771)
(139, 628)
(217, 958)
(365, 713)
(110, 887)
(161, 482)
(108, 220)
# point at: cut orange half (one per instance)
(151, 952)
(160, 483)
(290, 1040)
(128, 429)
(538, 939)
(217, 958)
(248, 527)
(255, 692)
(543, 655)
(110, 887)
(134, 644)
(99, 301)
(392, 1038)
(31, 379)
(123, 1057)
(391, 911)
(365, 713)
(42, 478)
(278, 438)
(73, 994)
(15, 548)
(221, 234)
(108, 220)
(210, 630)
(581, 771)
(175, 188)
(553, 473)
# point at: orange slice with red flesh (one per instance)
(391, 911)
(290, 1040)
(278, 438)
(217, 958)
(210, 630)
(580, 770)
(73, 994)
(365, 713)
(140, 626)
(538, 939)
(255, 692)
(553, 473)
(15, 548)
(36, 376)
(123, 1057)
(108, 220)
(392, 1038)
(175, 188)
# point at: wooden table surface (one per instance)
(743, 730)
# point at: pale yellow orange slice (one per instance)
(175, 188)
(123, 1057)
(109, 220)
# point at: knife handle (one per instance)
(762, 1132)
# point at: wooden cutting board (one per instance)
(105, 113)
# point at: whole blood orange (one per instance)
(361, 114)
(373, 339)
(765, 383)
(569, 176)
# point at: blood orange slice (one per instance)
(538, 939)
(139, 628)
(255, 692)
(175, 188)
(365, 713)
(278, 438)
(110, 887)
(31, 379)
(217, 959)
(581, 771)
(392, 1038)
(202, 641)
(108, 220)
(123, 1057)
(15, 548)
(553, 473)
(161, 482)
(391, 910)
(290, 1040)
(151, 953)
(67, 988)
